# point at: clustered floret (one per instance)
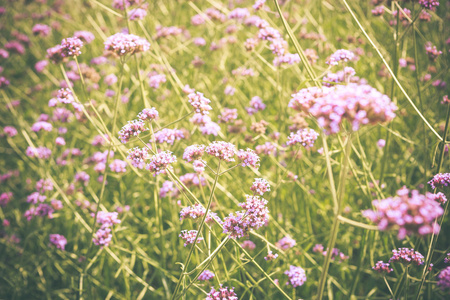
(305, 137)
(260, 186)
(197, 211)
(382, 267)
(133, 128)
(248, 158)
(160, 162)
(297, 276)
(58, 240)
(407, 256)
(200, 103)
(222, 150)
(138, 157)
(222, 294)
(440, 180)
(409, 212)
(206, 275)
(123, 44)
(168, 136)
(189, 237)
(103, 235)
(340, 55)
(148, 114)
(444, 279)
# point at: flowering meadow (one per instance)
(224, 149)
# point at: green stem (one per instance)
(334, 230)
(186, 264)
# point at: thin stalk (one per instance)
(186, 265)
(334, 230)
(117, 97)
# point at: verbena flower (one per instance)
(305, 137)
(118, 166)
(407, 256)
(71, 47)
(286, 243)
(168, 136)
(133, 128)
(149, 114)
(228, 115)
(440, 180)
(206, 275)
(248, 158)
(160, 162)
(382, 267)
(138, 157)
(410, 213)
(221, 150)
(444, 279)
(58, 240)
(193, 152)
(340, 55)
(223, 293)
(260, 186)
(123, 44)
(189, 237)
(429, 4)
(270, 256)
(248, 245)
(439, 197)
(297, 276)
(199, 103)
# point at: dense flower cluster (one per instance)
(444, 279)
(305, 137)
(71, 47)
(197, 211)
(228, 115)
(160, 162)
(123, 44)
(118, 166)
(148, 114)
(206, 275)
(429, 4)
(200, 103)
(286, 243)
(168, 136)
(297, 276)
(222, 150)
(103, 235)
(41, 152)
(254, 215)
(270, 256)
(248, 158)
(409, 213)
(138, 157)
(222, 294)
(248, 245)
(193, 152)
(440, 180)
(340, 55)
(133, 128)
(407, 256)
(58, 240)
(256, 104)
(189, 237)
(260, 186)
(382, 267)
(439, 197)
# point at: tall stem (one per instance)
(186, 264)
(338, 209)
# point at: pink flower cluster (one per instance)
(222, 150)
(440, 181)
(222, 294)
(439, 197)
(228, 115)
(358, 104)
(133, 128)
(409, 213)
(260, 186)
(193, 152)
(248, 245)
(148, 114)
(206, 275)
(407, 256)
(71, 47)
(340, 55)
(42, 125)
(41, 152)
(297, 276)
(286, 243)
(197, 211)
(200, 103)
(248, 158)
(123, 44)
(138, 157)
(254, 216)
(189, 237)
(432, 51)
(160, 162)
(382, 267)
(58, 240)
(5, 198)
(168, 136)
(103, 235)
(256, 104)
(444, 279)
(305, 137)
(118, 166)
(270, 256)
(429, 4)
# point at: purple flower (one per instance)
(193, 152)
(409, 213)
(38, 126)
(71, 47)
(137, 14)
(148, 114)
(222, 294)
(118, 166)
(286, 243)
(10, 131)
(270, 256)
(160, 162)
(297, 276)
(248, 158)
(444, 279)
(382, 267)
(58, 240)
(168, 136)
(260, 186)
(189, 237)
(199, 103)
(133, 128)
(206, 275)
(123, 44)
(306, 137)
(340, 55)
(429, 4)
(138, 157)
(441, 181)
(407, 256)
(222, 150)
(248, 245)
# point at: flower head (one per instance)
(222, 294)
(160, 162)
(305, 137)
(123, 44)
(199, 103)
(189, 237)
(133, 128)
(222, 150)
(440, 180)
(260, 186)
(58, 240)
(407, 256)
(148, 114)
(71, 47)
(382, 267)
(248, 158)
(297, 276)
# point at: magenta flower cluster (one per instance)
(160, 162)
(340, 55)
(138, 157)
(223, 293)
(58, 240)
(358, 104)
(286, 243)
(169, 136)
(260, 186)
(444, 279)
(222, 150)
(305, 137)
(382, 267)
(123, 44)
(189, 237)
(297, 276)
(407, 256)
(103, 235)
(440, 181)
(206, 275)
(197, 211)
(132, 128)
(409, 212)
